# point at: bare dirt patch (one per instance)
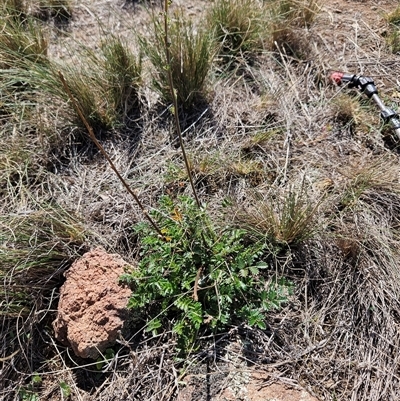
(244, 386)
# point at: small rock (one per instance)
(92, 305)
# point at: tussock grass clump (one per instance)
(123, 74)
(350, 292)
(376, 176)
(27, 136)
(35, 248)
(19, 167)
(286, 217)
(285, 18)
(365, 288)
(392, 35)
(105, 85)
(393, 32)
(299, 13)
(393, 17)
(21, 40)
(59, 9)
(191, 53)
(237, 26)
(347, 108)
(393, 40)
(17, 8)
(353, 112)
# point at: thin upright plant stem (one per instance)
(105, 154)
(175, 100)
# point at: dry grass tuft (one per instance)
(347, 109)
(61, 10)
(22, 39)
(237, 27)
(327, 191)
(393, 17)
(376, 176)
(285, 19)
(35, 247)
(393, 34)
(191, 51)
(285, 218)
(106, 85)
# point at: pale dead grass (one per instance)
(338, 334)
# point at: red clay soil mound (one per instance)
(92, 305)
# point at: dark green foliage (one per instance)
(199, 277)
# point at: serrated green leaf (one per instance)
(178, 327)
(261, 324)
(184, 303)
(65, 389)
(262, 265)
(153, 325)
(254, 270)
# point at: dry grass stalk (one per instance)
(338, 334)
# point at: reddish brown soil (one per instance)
(92, 304)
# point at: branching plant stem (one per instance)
(175, 100)
(105, 154)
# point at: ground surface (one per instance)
(338, 336)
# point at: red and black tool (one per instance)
(367, 86)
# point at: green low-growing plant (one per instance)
(30, 392)
(65, 389)
(198, 276)
(237, 26)
(191, 52)
(105, 358)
